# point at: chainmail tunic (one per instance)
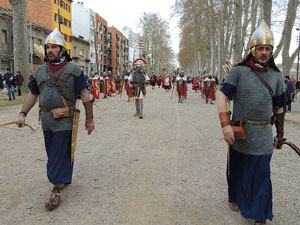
(50, 98)
(253, 101)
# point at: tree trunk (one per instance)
(237, 31)
(287, 60)
(266, 11)
(20, 39)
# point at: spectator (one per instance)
(297, 88)
(19, 82)
(9, 78)
(290, 90)
(294, 89)
(1, 82)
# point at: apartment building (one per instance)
(81, 53)
(133, 44)
(83, 26)
(117, 51)
(101, 43)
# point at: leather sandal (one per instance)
(54, 199)
(233, 206)
(257, 222)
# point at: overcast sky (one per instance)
(121, 13)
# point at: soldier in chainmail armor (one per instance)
(57, 84)
(138, 80)
(257, 89)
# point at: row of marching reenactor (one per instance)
(108, 84)
(207, 87)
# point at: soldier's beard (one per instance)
(55, 59)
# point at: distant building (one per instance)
(117, 48)
(83, 26)
(133, 41)
(81, 53)
(101, 43)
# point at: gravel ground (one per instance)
(166, 169)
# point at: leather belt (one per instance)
(44, 109)
(256, 122)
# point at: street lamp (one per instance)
(298, 29)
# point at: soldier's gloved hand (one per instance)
(89, 126)
(89, 122)
(278, 141)
(279, 124)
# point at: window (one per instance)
(4, 37)
(37, 41)
(4, 65)
(74, 50)
(81, 52)
(55, 2)
(69, 23)
(65, 22)
(55, 17)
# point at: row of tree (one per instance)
(156, 42)
(213, 31)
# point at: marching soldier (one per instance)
(57, 84)
(138, 80)
(128, 87)
(196, 84)
(107, 86)
(181, 82)
(210, 89)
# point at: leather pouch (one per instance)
(239, 132)
(60, 112)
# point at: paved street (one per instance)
(166, 169)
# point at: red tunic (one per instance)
(96, 89)
(211, 92)
(106, 90)
(196, 83)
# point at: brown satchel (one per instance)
(61, 112)
(239, 131)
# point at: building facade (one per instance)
(101, 42)
(133, 45)
(117, 51)
(6, 42)
(81, 53)
(61, 17)
(83, 26)
(43, 17)
(37, 34)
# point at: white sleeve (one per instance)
(147, 77)
(130, 78)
